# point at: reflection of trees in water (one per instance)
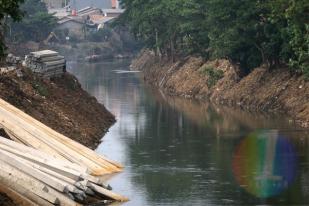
(174, 145)
(184, 125)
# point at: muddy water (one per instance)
(182, 152)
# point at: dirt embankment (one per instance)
(60, 103)
(261, 90)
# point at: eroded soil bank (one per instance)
(262, 90)
(60, 103)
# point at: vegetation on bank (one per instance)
(35, 25)
(249, 33)
(24, 20)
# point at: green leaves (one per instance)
(247, 32)
(36, 24)
(8, 9)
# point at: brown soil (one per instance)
(60, 103)
(5, 200)
(261, 90)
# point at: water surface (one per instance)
(185, 152)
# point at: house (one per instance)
(55, 4)
(112, 12)
(94, 3)
(100, 20)
(88, 11)
(75, 26)
(60, 13)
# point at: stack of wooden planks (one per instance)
(46, 63)
(48, 168)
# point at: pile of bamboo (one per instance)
(46, 63)
(44, 166)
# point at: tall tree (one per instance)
(247, 32)
(8, 9)
(36, 23)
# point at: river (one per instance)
(185, 152)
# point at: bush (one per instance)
(214, 75)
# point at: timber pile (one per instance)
(46, 63)
(47, 168)
(11, 59)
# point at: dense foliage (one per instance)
(35, 25)
(8, 8)
(248, 32)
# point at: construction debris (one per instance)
(44, 167)
(46, 63)
(4, 70)
(11, 59)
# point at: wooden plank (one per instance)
(107, 193)
(46, 163)
(26, 138)
(18, 195)
(74, 145)
(31, 184)
(13, 161)
(35, 134)
(44, 156)
(61, 197)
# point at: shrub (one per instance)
(214, 75)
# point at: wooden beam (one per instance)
(107, 193)
(13, 161)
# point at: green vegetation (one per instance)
(8, 9)
(247, 32)
(40, 88)
(214, 75)
(35, 25)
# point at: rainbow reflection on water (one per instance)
(264, 164)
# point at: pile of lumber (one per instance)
(47, 168)
(46, 63)
(11, 59)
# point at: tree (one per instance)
(291, 17)
(36, 23)
(8, 9)
(249, 33)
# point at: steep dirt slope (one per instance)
(261, 90)
(60, 103)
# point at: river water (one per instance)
(184, 152)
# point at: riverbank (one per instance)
(220, 82)
(60, 103)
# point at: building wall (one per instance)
(75, 29)
(94, 3)
(54, 4)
